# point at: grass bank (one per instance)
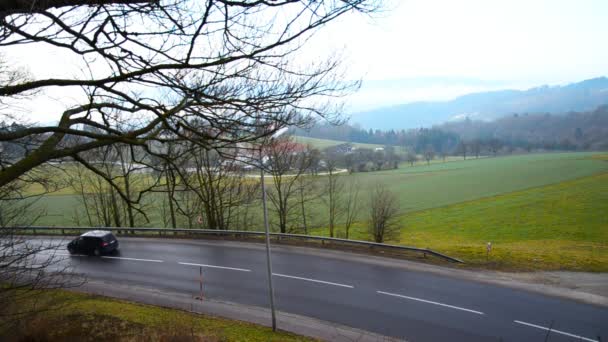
(83, 317)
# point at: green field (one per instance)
(440, 184)
(556, 227)
(325, 143)
(459, 205)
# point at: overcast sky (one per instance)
(439, 49)
(436, 49)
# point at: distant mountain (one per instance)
(583, 96)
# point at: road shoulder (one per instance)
(292, 323)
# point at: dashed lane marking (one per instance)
(431, 302)
(312, 280)
(556, 331)
(215, 266)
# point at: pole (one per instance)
(268, 260)
(201, 280)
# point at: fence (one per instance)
(236, 234)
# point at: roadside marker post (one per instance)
(201, 282)
(488, 250)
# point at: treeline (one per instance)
(571, 131)
(525, 132)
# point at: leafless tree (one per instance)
(287, 162)
(308, 191)
(351, 205)
(429, 154)
(384, 209)
(218, 184)
(462, 149)
(475, 146)
(156, 71)
(411, 158)
(167, 203)
(333, 192)
(26, 265)
(102, 203)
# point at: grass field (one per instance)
(325, 143)
(556, 227)
(423, 187)
(541, 211)
(84, 317)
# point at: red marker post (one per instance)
(201, 282)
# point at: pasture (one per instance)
(325, 143)
(540, 211)
(563, 226)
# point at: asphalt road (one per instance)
(388, 300)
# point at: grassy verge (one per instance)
(83, 317)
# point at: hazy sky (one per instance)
(431, 49)
(458, 43)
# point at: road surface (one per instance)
(345, 289)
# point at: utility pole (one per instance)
(267, 228)
(268, 259)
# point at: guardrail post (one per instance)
(34, 230)
(62, 231)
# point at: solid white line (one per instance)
(312, 280)
(213, 266)
(132, 259)
(556, 331)
(430, 302)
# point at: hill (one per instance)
(582, 96)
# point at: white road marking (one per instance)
(312, 280)
(214, 266)
(431, 302)
(63, 254)
(556, 331)
(132, 259)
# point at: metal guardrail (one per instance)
(237, 234)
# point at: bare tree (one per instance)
(429, 154)
(217, 183)
(31, 6)
(287, 163)
(383, 214)
(495, 145)
(188, 206)
(475, 145)
(308, 186)
(351, 206)
(152, 67)
(26, 265)
(168, 206)
(102, 203)
(333, 190)
(461, 149)
(411, 158)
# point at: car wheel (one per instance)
(71, 250)
(97, 252)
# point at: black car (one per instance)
(95, 242)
